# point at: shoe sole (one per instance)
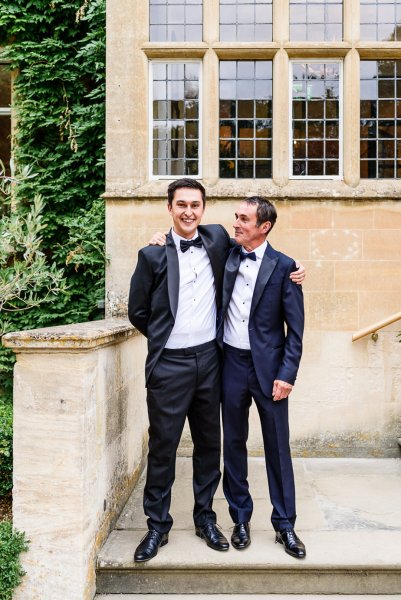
(142, 560)
(280, 541)
(202, 537)
(241, 547)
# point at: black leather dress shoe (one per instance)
(213, 536)
(150, 545)
(241, 537)
(292, 543)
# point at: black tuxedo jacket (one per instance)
(277, 301)
(153, 296)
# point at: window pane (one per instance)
(175, 118)
(316, 20)
(315, 119)
(246, 20)
(380, 21)
(245, 119)
(380, 134)
(175, 20)
(5, 87)
(5, 116)
(5, 140)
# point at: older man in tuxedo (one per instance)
(261, 326)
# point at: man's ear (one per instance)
(266, 227)
(169, 207)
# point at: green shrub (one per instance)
(6, 448)
(12, 543)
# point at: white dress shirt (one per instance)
(195, 321)
(236, 323)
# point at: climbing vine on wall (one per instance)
(56, 49)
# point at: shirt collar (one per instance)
(177, 238)
(259, 251)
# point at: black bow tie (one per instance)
(244, 255)
(185, 244)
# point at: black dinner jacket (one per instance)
(276, 302)
(153, 296)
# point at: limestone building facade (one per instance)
(299, 101)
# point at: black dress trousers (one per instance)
(184, 383)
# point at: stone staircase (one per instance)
(349, 517)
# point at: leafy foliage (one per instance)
(6, 448)
(26, 278)
(12, 543)
(57, 49)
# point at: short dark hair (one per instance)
(265, 211)
(185, 183)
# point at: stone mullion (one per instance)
(351, 117)
(281, 108)
(211, 21)
(210, 94)
(281, 21)
(210, 118)
(351, 17)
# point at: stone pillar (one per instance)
(79, 432)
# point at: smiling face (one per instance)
(246, 231)
(186, 210)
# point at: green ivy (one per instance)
(12, 543)
(57, 49)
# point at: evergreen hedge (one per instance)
(57, 50)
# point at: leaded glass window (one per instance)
(316, 20)
(380, 119)
(245, 118)
(175, 20)
(380, 20)
(316, 119)
(246, 20)
(175, 124)
(5, 115)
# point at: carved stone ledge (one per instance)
(77, 336)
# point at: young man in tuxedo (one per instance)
(174, 300)
(261, 327)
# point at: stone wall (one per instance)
(347, 400)
(80, 425)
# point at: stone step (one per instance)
(241, 597)
(349, 519)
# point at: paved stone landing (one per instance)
(349, 517)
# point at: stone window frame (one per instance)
(130, 51)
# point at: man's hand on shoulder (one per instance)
(299, 275)
(281, 389)
(158, 239)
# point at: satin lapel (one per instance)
(214, 259)
(230, 275)
(173, 274)
(265, 271)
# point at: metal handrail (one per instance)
(376, 326)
